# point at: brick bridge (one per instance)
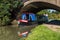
(37, 5)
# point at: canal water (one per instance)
(10, 32)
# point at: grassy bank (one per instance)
(43, 33)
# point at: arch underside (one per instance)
(37, 6)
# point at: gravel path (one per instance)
(53, 27)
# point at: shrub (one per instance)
(6, 8)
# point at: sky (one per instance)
(51, 10)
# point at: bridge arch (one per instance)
(36, 6)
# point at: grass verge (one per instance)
(43, 33)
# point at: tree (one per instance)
(43, 12)
(51, 15)
(6, 10)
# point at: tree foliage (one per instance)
(51, 15)
(5, 7)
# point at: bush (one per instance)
(43, 33)
(5, 20)
(6, 8)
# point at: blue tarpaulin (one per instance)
(31, 16)
(23, 16)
